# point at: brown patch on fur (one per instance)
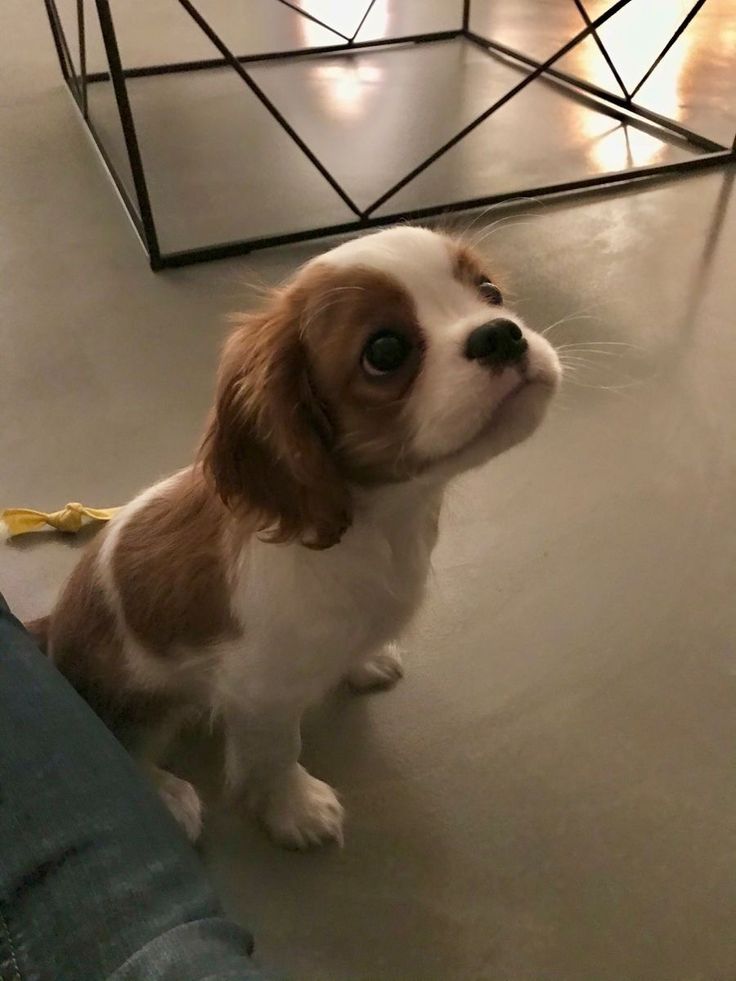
(284, 412)
(468, 266)
(172, 565)
(296, 416)
(173, 568)
(344, 308)
(266, 447)
(85, 645)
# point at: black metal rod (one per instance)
(144, 71)
(70, 75)
(53, 16)
(315, 20)
(117, 181)
(514, 90)
(82, 56)
(682, 26)
(363, 19)
(264, 100)
(601, 47)
(697, 139)
(109, 39)
(619, 110)
(466, 15)
(230, 249)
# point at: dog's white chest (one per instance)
(314, 612)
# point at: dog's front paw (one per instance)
(302, 812)
(381, 671)
(182, 800)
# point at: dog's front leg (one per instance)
(262, 762)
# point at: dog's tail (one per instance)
(39, 630)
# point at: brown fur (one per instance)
(468, 265)
(367, 413)
(173, 566)
(265, 448)
(295, 416)
(85, 645)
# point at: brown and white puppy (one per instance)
(296, 548)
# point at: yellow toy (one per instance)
(21, 521)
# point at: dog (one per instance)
(294, 551)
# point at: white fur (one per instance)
(181, 799)
(311, 617)
(382, 670)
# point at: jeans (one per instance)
(96, 880)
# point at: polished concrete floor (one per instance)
(550, 795)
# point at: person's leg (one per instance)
(96, 879)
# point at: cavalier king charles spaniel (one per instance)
(292, 553)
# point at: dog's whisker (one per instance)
(569, 362)
(594, 357)
(594, 368)
(494, 230)
(605, 361)
(532, 199)
(517, 216)
(504, 218)
(481, 214)
(566, 320)
(588, 344)
(634, 383)
(597, 351)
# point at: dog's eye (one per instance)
(385, 352)
(490, 292)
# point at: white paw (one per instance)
(383, 670)
(182, 800)
(302, 812)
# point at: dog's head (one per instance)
(389, 358)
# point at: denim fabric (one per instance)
(96, 880)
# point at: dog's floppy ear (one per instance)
(266, 448)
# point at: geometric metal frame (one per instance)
(621, 107)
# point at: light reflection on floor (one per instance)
(618, 148)
(346, 85)
(633, 37)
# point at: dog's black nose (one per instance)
(499, 342)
